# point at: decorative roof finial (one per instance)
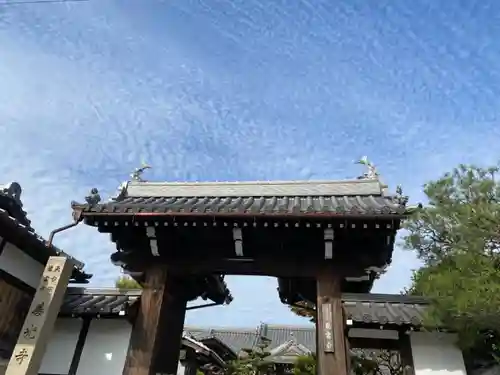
(399, 198)
(93, 198)
(12, 190)
(137, 173)
(371, 173)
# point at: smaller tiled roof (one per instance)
(236, 339)
(385, 309)
(13, 220)
(350, 197)
(288, 352)
(10, 200)
(202, 350)
(106, 301)
(362, 309)
(279, 334)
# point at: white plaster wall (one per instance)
(105, 347)
(61, 346)
(436, 354)
(104, 351)
(21, 265)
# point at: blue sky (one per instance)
(241, 90)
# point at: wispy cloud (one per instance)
(232, 90)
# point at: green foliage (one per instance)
(362, 363)
(376, 362)
(252, 362)
(305, 309)
(463, 216)
(457, 236)
(125, 282)
(305, 365)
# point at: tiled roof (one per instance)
(10, 201)
(13, 221)
(378, 309)
(278, 334)
(253, 188)
(353, 197)
(385, 309)
(110, 301)
(235, 339)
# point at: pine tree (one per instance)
(457, 237)
(126, 282)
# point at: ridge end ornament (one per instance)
(121, 192)
(399, 198)
(136, 175)
(93, 198)
(12, 190)
(371, 173)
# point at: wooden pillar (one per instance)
(190, 367)
(347, 345)
(157, 331)
(330, 325)
(39, 323)
(405, 354)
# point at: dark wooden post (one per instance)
(405, 354)
(330, 325)
(157, 331)
(347, 344)
(190, 367)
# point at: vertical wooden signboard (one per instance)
(28, 353)
(328, 343)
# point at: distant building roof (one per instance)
(15, 226)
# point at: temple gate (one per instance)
(318, 238)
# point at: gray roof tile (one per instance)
(10, 201)
(35, 245)
(253, 188)
(280, 334)
(292, 197)
(108, 301)
(255, 205)
(361, 308)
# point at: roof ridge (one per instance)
(103, 291)
(296, 327)
(384, 298)
(253, 182)
(249, 330)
